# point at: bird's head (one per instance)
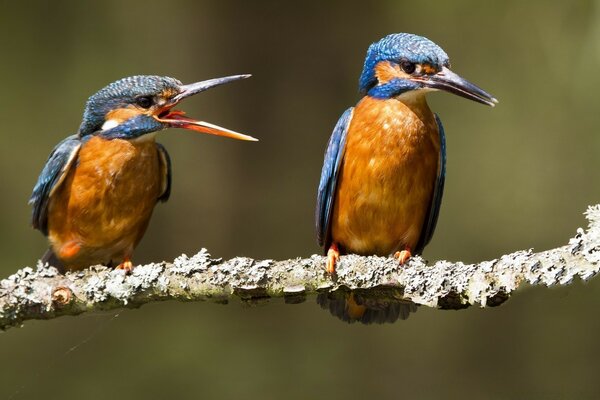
(401, 62)
(139, 105)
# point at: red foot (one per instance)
(403, 256)
(333, 255)
(126, 265)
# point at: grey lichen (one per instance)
(186, 266)
(44, 293)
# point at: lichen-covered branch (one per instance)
(44, 293)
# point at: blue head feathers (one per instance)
(120, 94)
(396, 48)
(143, 104)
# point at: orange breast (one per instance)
(102, 208)
(387, 178)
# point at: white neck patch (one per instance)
(109, 124)
(413, 96)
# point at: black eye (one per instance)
(144, 101)
(407, 66)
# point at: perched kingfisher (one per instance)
(383, 175)
(96, 193)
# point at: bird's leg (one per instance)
(403, 256)
(333, 255)
(126, 265)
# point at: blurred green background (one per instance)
(519, 176)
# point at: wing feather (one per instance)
(165, 162)
(438, 191)
(62, 158)
(329, 178)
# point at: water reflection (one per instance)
(361, 306)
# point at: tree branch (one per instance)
(44, 293)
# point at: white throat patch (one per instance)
(109, 124)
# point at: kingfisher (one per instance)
(383, 175)
(96, 193)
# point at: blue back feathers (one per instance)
(329, 178)
(396, 47)
(438, 191)
(120, 94)
(62, 156)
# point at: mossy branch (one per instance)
(44, 293)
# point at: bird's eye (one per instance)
(144, 101)
(407, 66)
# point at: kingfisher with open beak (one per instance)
(96, 193)
(383, 175)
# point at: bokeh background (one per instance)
(519, 176)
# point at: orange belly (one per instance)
(387, 178)
(101, 210)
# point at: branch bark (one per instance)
(44, 293)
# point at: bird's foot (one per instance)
(126, 266)
(333, 255)
(403, 256)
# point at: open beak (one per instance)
(451, 82)
(177, 119)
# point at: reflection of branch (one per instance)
(44, 293)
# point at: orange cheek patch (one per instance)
(122, 114)
(386, 71)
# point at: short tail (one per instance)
(50, 258)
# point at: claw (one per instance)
(403, 256)
(333, 255)
(126, 265)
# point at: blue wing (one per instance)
(438, 191)
(54, 172)
(329, 178)
(165, 163)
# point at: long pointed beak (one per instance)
(453, 83)
(177, 119)
(195, 88)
